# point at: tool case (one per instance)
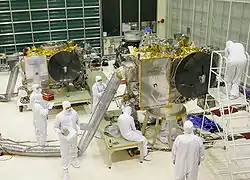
(48, 96)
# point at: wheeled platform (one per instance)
(116, 144)
(72, 94)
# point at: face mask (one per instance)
(39, 90)
(99, 83)
(68, 110)
(129, 112)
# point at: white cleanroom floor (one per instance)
(19, 126)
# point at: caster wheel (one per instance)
(109, 167)
(224, 148)
(141, 162)
(20, 108)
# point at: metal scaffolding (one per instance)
(227, 120)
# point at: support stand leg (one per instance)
(144, 125)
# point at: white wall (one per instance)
(212, 22)
(162, 14)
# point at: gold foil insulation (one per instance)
(163, 49)
(50, 49)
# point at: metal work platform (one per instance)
(231, 124)
(77, 96)
(74, 96)
(114, 144)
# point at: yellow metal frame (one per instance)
(74, 101)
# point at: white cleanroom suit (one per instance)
(127, 128)
(188, 152)
(236, 64)
(97, 90)
(36, 90)
(65, 120)
(40, 113)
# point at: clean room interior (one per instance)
(103, 38)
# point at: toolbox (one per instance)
(48, 96)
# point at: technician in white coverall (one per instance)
(188, 153)
(97, 90)
(127, 128)
(40, 113)
(235, 52)
(66, 119)
(36, 90)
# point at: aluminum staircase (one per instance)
(14, 71)
(99, 113)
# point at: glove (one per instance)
(100, 94)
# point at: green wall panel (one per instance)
(9, 39)
(76, 34)
(72, 13)
(8, 49)
(91, 2)
(58, 25)
(61, 35)
(5, 17)
(90, 12)
(75, 23)
(41, 37)
(92, 32)
(5, 28)
(92, 23)
(38, 21)
(38, 4)
(40, 26)
(23, 27)
(19, 5)
(56, 4)
(74, 3)
(55, 14)
(4, 5)
(39, 15)
(23, 38)
(21, 16)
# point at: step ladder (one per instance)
(99, 112)
(233, 148)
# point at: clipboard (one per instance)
(71, 134)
